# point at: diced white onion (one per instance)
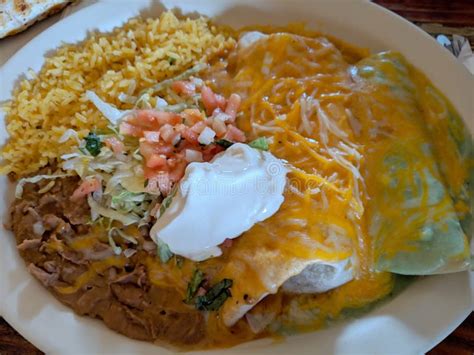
(38, 228)
(193, 155)
(69, 156)
(160, 102)
(223, 117)
(207, 136)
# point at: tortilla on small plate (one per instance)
(17, 15)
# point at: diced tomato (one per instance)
(177, 172)
(210, 151)
(233, 105)
(152, 136)
(87, 186)
(128, 129)
(208, 99)
(153, 119)
(167, 133)
(192, 116)
(115, 144)
(199, 127)
(219, 127)
(168, 117)
(220, 101)
(190, 136)
(180, 128)
(209, 121)
(148, 149)
(156, 161)
(167, 136)
(150, 173)
(234, 134)
(185, 88)
(172, 162)
(227, 243)
(145, 119)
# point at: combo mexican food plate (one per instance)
(198, 183)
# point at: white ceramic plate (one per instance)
(411, 323)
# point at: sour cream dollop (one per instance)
(221, 199)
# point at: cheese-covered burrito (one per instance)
(416, 201)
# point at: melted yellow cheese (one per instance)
(296, 92)
(95, 268)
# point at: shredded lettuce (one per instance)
(165, 83)
(123, 235)
(117, 250)
(68, 134)
(164, 251)
(97, 209)
(126, 202)
(128, 99)
(176, 108)
(259, 143)
(113, 114)
(143, 101)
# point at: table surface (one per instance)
(435, 17)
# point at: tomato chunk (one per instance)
(234, 134)
(156, 161)
(115, 144)
(233, 106)
(185, 88)
(85, 188)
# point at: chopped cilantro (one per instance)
(193, 285)
(215, 297)
(223, 143)
(259, 143)
(167, 202)
(93, 144)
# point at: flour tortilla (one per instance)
(18, 15)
